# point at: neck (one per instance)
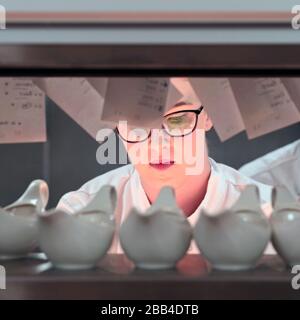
(187, 198)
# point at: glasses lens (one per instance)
(181, 123)
(132, 134)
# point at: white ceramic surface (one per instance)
(236, 238)
(18, 221)
(159, 237)
(285, 222)
(79, 240)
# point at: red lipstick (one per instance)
(161, 165)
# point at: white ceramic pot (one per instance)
(18, 221)
(236, 238)
(285, 221)
(79, 240)
(159, 237)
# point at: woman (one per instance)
(197, 184)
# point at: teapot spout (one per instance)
(165, 198)
(249, 199)
(36, 194)
(105, 200)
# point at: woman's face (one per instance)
(166, 160)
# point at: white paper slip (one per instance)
(185, 92)
(22, 112)
(100, 84)
(140, 101)
(78, 98)
(265, 105)
(218, 100)
(293, 87)
(179, 90)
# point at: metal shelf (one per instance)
(131, 36)
(116, 278)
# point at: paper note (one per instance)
(100, 84)
(265, 105)
(293, 87)
(177, 91)
(22, 111)
(218, 100)
(78, 98)
(186, 91)
(140, 101)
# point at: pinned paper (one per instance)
(22, 111)
(257, 105)
(265, 105)
(78, 98)
(218, 100)
(140, 101)
(100, 84)
(185, 89)
(293, 87)
(179, 90)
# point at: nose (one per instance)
(159, 137)
(160, 145)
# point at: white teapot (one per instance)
(285, 222)
(234, 239)
(18, 221)
(79, 240)
(159, 237)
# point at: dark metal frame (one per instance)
(197, 112)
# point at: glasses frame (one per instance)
(197, 112)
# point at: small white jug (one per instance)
(285, 222)
(159, 237)
(79, 240)
(18, 221)
(236, 238)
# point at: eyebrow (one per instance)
(182, 103)
(178, 104)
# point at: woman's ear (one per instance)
(207, 121)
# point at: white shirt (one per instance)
(224, 187)
(280, 167)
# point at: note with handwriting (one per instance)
(140, 101)
(78, 98)
(22, 111)
(265, 105)
(218, 100)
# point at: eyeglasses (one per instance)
(175, 124)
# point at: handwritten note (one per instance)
(140, 101)
(257, 105)
(218, 99)
(265, 105)
(78, 98)
(22, 111)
